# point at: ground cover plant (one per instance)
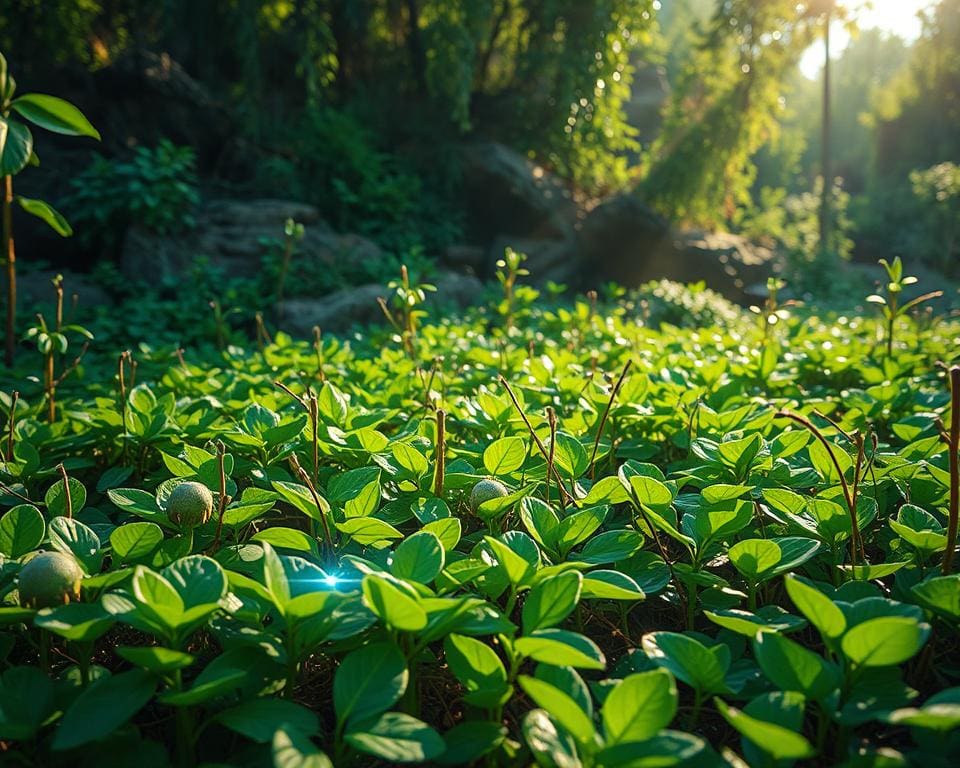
(563, 535)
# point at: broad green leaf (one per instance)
(46, 213)
(259, 719)
(819, 609)
(103, 707)
(54, 114)
(639, 706)
(395, 608)
(397, 738)
(791, 667)
(419, 557)
(563, 709)
(369, 681)
(885, 641)
(21, 531)
(561, 647)
(551, 601)
(505, 455)
(779, 742)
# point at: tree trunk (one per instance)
(418, 57)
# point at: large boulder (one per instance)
(346, 308)
(624, 240)
(507, 195)
(236, 235)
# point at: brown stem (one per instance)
(954, 510)
(603, 419)
(552, 421)
(12, 423)
(66, 490)
(222, 507)
(123, 397)
(440, 461)
(302, 474)
(536, 439)
(855, 541)
(11, 263)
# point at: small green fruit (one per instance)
(48, 580)
(190, 504)
(486, 490)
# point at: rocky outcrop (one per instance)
(625, 241)
(236, 235)
(507, 195)
(358, 305)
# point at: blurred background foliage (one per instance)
(358, 107)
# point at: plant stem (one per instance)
(855, 541)
(954, 446)
(184, 738)
(440, 462)
(12, 423)
(11, 263)
(606, 413)
(66, 491)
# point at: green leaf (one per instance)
(54, 114)
(21, 531)
(46, 213)
(397, 738)
(79, 622)
(72, 537)
(819, 609)
(395, 608)
(16, 150)
(478, 667)
(884, 641)
(470, 740)
(368, 530)
(689, 660)
(550, 746)
(505, 455)
(291, 749)
(791, 667)
(259, 719)
(562, 648)
(639, 706)
(156, 659)
(551, 601)
(56, 499)
(135, 541)
(419, 558)
(779, 742)
(563, 709)
(103, 707)
(369, 681)
(410, 459)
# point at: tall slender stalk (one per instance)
(954, 446)
(12, 423)
(440, 462)
(855, 541)
(10, 257)
(606, 413)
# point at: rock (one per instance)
(35, 291)
(358, 306)
(505, 194)
(626, 241)
(469, 257)
(145, 96)
(547, 259)
(236, 235)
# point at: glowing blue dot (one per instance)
(331, 580)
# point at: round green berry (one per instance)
(190, 504)
(486, 490)
(48, 580)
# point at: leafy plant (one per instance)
(16, 153)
